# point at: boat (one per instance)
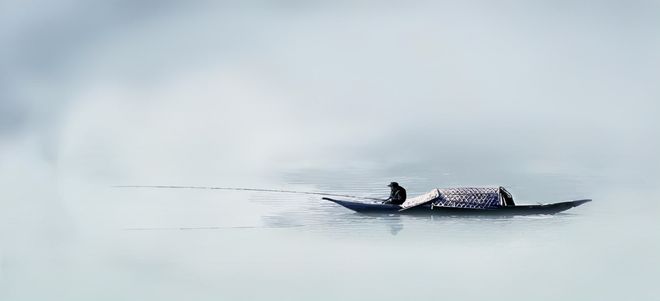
(461, 201)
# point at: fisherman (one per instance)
(397, 195)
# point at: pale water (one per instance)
(554, 102)
(123, 244)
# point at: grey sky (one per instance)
(130, 92)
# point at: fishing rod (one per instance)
(244, 189)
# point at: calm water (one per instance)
(137, 244)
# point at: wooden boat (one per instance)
(461, 201)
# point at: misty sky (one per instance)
(331, 72)
(122, 92)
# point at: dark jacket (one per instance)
(397, 196)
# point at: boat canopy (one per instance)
(420, 200)
(469, 197)
(463, 197)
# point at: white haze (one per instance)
(554, 99)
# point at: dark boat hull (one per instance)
(428, 209)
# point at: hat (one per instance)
(393, 184)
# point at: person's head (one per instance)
(393, 184)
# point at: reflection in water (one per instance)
(318, 216)
(312, 214)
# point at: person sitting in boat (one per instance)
(397, 195)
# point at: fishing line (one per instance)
(244, 189)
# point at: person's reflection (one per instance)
(394, 223)
(396, 228)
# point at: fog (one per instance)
(555, 100)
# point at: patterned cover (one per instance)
(419, 200)
(469, 197)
